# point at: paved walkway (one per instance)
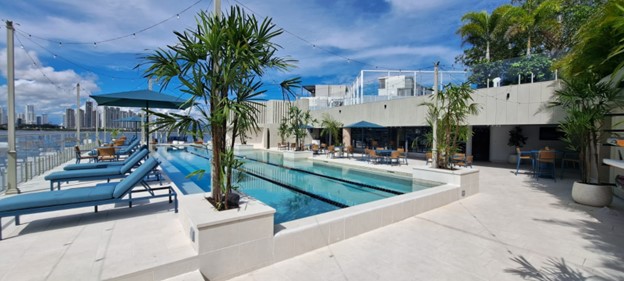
(516, 228)
(79, 244)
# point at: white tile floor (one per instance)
(79, 244)
(516, 228)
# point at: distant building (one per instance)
(44, 119)
(39, 120)
(88, 115)
(30, 114)
(69, 120)
(3, 117)
(400, 85)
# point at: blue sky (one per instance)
(332, 40)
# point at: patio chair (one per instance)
(323, 148)
(395, 157)
(79, 155)
(315, 149)
(349, 150)
(521, 157)
(100, 194)
(282, 146)
(466, 162)
(91, 174)
(126, 150)
(571, 158)
(457, 158)
(403, 155)
(428, 158)
(546, 158)
(141, 153)
(106, 154)
(373, 157)
(331, 151)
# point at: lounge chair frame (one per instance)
(173, 198)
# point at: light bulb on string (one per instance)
(178, 16)
(133, 35)
(94, 44)
(60, 44)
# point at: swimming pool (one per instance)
(295, 191)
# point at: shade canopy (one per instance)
(141, 98)
(364, 124)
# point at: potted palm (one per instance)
(516, 139)
(586, 103)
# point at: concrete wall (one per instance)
(499, 135)
(525, 105)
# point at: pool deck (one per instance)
(515, 228)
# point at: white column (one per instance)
(434, 146)
(77, 114)
(12, 153)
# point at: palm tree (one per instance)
(217, 63)
(586, 102)
(451, 107)
(297, 122)
(481, 28)
(531, 19)
(330, 126)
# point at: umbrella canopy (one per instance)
(364, 124)
(136, 119)
(141, 98)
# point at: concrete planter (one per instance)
(296, 155)
(592, 194)
(466, 179)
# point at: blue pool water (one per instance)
(296, 190)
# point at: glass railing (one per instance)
(41, 151)
(535, 68)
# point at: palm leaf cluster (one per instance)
(451, 107)
(219, 64)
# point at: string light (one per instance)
(177, 15)
(73, 63)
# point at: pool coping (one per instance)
(234, 242)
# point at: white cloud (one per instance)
(48, 95)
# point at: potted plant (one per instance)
(586, 103)
(516, 139)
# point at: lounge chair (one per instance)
(126, 150)
(100, 194)
(395, 157)
(141, 153)
(91, 174)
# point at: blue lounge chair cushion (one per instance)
(85, 173)
(134, 178)
(55, 198)
(140, 154)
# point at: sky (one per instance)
(99, 44)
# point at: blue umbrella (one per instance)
(363, 125)
(136, 119)
(141, 98)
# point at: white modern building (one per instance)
(30, 114)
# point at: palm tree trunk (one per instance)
(487, 51)
(528, 52)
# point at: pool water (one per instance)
(296, 190)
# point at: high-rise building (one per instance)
(88, 120)
(39, 120)
(44, 119)
(69, 121)
(30, 114)
(3, 118)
